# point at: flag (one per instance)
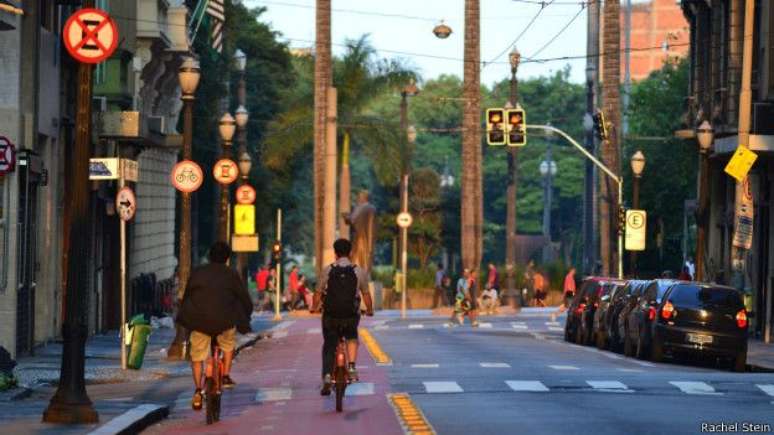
(217, 15)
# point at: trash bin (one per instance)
(139, 331)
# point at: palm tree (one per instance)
(322, 81)
(472, 205)
(610, 148)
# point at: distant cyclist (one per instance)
(339, 292)
(216, 303)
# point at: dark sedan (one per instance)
(580, 315)
(621, 307)
(605, 312)
(641, 318)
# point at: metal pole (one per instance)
(278, 278)
(122, 273)
(620, 230)
(225, 204)
(510, 219)
(404, 170)
(636, 206)
(627, 65)
(404, 251)
(241, 257)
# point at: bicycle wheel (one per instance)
(213, 405)
(341, 386)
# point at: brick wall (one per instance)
(654, 23)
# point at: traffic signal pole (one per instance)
(278, 278)
(618, 180)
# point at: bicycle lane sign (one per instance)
(187, 176)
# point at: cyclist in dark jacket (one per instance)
(216, 304)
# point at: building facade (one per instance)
(717, 29)
(655, 23)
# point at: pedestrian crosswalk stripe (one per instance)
(613, 386)
(314, 331)
(381, 327)
(273, 394)
(416, 326)
(495, 365)
(766, 388)
(553, 324)
(519, 326)
(442, 387)
(692, 387)
(360, 389)
(556, 328)
(630, 370)
(484, 325)
(526, 386)
(561, 367)
(424, 366)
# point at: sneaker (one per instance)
(228, 382)
(196, 401)
(352, 371)
(326, 387)
(474, 324)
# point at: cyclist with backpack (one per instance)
(339, 291)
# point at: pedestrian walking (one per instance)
(293, 287)
(691, 267)
(439, 295)
(540, 284)
(493, 278)
(529, 283)
(261, 278)
(472, 297)
(569, 292)
(448, 289)
(461, 303)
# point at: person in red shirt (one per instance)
(569, 292)
(493, 278)
(293, 286)
(261, 279)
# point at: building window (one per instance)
(3, 234)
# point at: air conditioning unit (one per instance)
(99, 104)
(156, 124)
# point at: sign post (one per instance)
(404, 220)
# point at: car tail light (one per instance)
(667, 310)
(596, 304)
(741, 318)
(652, 314)
(580, 308)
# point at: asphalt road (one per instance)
(517, 375)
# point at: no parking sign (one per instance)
(90, 35)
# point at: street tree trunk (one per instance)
(344, 187)
(611, 147)
(471, 207)
(322, 81)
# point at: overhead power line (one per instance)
(551, 41)
(543, 6)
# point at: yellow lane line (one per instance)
(379, 356)
(410, 416)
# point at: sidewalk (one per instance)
(760, 354)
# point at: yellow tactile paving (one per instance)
(410, 416)
(373, 347)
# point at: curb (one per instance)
(134, 420)
(17, 393)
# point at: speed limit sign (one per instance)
(404, 219)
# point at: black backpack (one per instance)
(341, 301)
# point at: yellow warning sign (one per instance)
(244, 219)
(740, 163)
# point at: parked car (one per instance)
(621, 306)
(642, 316)
(580, 315)
(702, 319)
(603, 314)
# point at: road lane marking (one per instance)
(642, 363)
(609, 386)
(442, 387)
(411, 418)
(273, 394)
(521, 326)
(314, 331)
(561, 367)
(495, 365)
(536, 386)
(485, 325)
(692, 387)
(766, 388)
(282, 333)
(630, 370)
(556, 328)
(553, 324)
(381, 327)
(360, 389)
(374, 348)
(416, 326)
(424, 366)
(610, 355)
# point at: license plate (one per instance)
(699, 338)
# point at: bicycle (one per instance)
(214, 384)
(340, 372)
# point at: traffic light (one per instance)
(600, 125)
(495, 131)
(621, 219)
(516, 128)
(276, 251)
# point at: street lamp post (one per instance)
(411, 136)
(548, 170)
(638, 165)
(226, 128)
(409, 90)
(510, 218)
(705, 135)
(589, 250)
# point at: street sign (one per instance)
(7, 156)
(244, 243)
(90, 35)
(187, 176)
(404, 219)
(743, 215)
(636, 222)
(225, 171)
(244, 219)
(126, 204)
(129, 170)
(245, 194)
(103, 168)
(740, 163)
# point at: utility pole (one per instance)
(627, 66)
(510, 195)
(322, 81)
(589, 199)
(227, 127)
(71, 404)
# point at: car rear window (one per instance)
(705, 297)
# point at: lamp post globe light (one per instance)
(227, 127)
(442, 31)
(241, 116)
(240, 60)
(638, 164)
(188, 75)
(245, 164)
(514, 57)
(705, 135)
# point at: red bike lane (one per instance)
(277, 392)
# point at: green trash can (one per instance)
(140, 331)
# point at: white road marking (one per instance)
(484, 325)
(495, 365)
(610, 355)
(314, 331)
(381, 327)
(691, 387)
(442, 387)
(282, 333)
(642, 363)
(125, 421)
(416, 326)
(556, 328)
(766, 388)
(609, 386)
(561, 367)
(360, 389)
(447, 325)
(630, 370)
(553, 324)
(521, 326)
(273, 394)
(424, 366)
(268, 427)
(526, 386)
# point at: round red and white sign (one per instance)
(225, 171)
(90, 35)
(7, 156)
(245, 194)
(126, 204)
(187, 176)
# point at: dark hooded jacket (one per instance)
(215, 300)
